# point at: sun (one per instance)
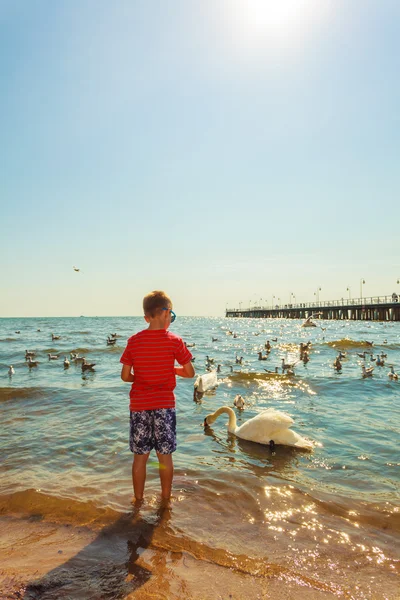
(273, 20)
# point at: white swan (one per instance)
(204, 383)
(269, 428)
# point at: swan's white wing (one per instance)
(289, 437)
(261, 427)
(206, 382)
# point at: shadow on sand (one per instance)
(107, 568)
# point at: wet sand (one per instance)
(40, 560)
(52, 549)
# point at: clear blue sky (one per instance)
(224, 150)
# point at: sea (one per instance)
(326, 520)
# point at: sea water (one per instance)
(330, 515)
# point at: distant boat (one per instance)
(308, 322)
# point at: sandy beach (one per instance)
(45, 554)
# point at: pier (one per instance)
(376, 308)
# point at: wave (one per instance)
(348, 343)
(80, 332)
(135, 533)
(9, 340)
(24, 393)
(112, 349)
(254, 376)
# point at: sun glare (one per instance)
(274, 21)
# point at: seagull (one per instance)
(337, 364)
(66, 363)
(362, 354)
(29, 354)
(239, 402)
(392, 375)
(215, 339)
(367, 372)
(261, 357)
(52, 357)
(87, 366)
(274, 339)
(239, 361)
(55, 337)
(76, 269)
(342, 355)
(369, 343)
(272, 372)
(286, 366)
(11, 371)
(218, 368)
(379, 361)
(32, 363)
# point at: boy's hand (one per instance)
(126, 374)
(185, 371)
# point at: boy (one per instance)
(151, 355)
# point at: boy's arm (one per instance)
(185, 371)
(126, 374)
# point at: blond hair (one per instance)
(154, 302)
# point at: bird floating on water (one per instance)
(87, 366)
(337, 364)
(66, 362)
(269, 427)
(11, 371)
(367, 372)
(53, 356)
(239, 402)
(32, 363)
(392, 375)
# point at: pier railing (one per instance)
(349, 302)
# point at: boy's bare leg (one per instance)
(139, 474)
(166, 470)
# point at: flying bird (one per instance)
(76, 269)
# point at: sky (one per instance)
(226, 151)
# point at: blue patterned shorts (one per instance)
(153, 429)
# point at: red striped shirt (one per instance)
(152, 354)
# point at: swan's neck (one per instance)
(231, 415)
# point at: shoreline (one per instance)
(79, 562)
(50, 544)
